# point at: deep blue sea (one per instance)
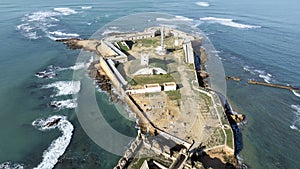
(254, 39)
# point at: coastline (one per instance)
(106, 79)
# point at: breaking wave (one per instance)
(65, 11)
(267, 77)
(295, 93)
(176, 18)
(228, 22)
(44, 24)
(296, 122)
(58, 146)
(109, 31)
(201, 3)
(48, 73)
(52, 71)
(68, 104)
(86, 7)
(9, 165)
(65, 87)
(55, 35)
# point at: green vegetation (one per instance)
(132, 82)
(148, 79)
(191, 66)
(174, 95)
(206, 98)
(229, 138)
(217, 138)
(139, 162)
(123, 47)
(149, 41)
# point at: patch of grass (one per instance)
(148, 41)
(123, 47)
(139, 162)
(132, 82)
(174, 95)
(229, 138)
(149, 79)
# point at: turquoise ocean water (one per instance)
(255, 40)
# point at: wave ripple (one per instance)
(296, 122)
(65, 87)
(45, 24)
(204, 4)
(58, 146)
(9, 165)
(228, 22)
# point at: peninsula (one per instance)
(161, 75)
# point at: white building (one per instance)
(169, 86)
(152, 88)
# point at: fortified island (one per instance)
(161, 75)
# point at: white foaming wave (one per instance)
(59, 33)
(65, 11)
(65, 87)
(55, 35)
(228, 22)
(9, 165)
(37, 24)
(109, 31)
(295, 93)
(58, 146)
(296, 122)
(68, 104)
(266, 78)
(28, 31)
(77, 66)
(41, 16)
(176, 18)
(201, 3)
(45, 74)
(86, 7)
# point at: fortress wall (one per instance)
(106, 51)
(116, 72)
(110, 74)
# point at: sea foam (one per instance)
(41, 24)
(267, 77)
(58, 146)
(295, 93)
(296, 122)
(228, 22)
(9, 165)
(176, 18)
(201, 3)
(69, 104)
(59, 33)
(86, 7)
(65, 11)
(65, 87)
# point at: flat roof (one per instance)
(170, 84)
(152, 85)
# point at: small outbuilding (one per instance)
(169, 86)
(152, 88)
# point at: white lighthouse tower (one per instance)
(161, 49)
